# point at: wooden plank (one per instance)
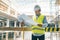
(20, 29)
(15, 29)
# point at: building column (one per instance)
(55, 25)
(3, 24)
(14, 23)
(22, 35)
(14, 35)
(59, 25)
(2, 36)
(6, 35)
(19, 24)
(7, 23)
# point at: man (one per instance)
(38, 32)
(37, 25)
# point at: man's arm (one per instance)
(27, 21)
(45, 20)
(45, 23)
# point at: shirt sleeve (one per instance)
(45, 23)
(45, 20)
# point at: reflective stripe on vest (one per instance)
(37, 29)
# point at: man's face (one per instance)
(37, 12)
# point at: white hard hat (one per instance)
(37, 7)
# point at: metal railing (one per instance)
(23, 29)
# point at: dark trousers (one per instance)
(42, 37)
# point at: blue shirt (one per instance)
(45, 20)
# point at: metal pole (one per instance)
(14, 35)
(51, 36)
(2, 36)
(6, 35)
(23, 33)
(59, 34)
(56, 35)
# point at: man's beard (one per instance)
(38, 14)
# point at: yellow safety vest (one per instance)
(37, 29)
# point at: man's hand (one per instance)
(39, 25)
(22, 23)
